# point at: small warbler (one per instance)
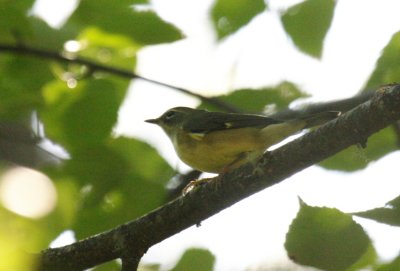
(217, 142)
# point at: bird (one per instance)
(217, 142)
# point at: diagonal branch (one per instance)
(94, 66)
(137, 236)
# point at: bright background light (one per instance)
(27, 192)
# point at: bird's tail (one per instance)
(320, 118)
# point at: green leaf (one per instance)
(17, 26)
(22, 236)
(368, 258)
(195, 259)
(120, 17)
(46, 37)
(109, 266)
(325, 238)
(64, 214)
(144, 161)
(355, 158)
(108, 49)
(128, 182)
(149, 267)
(395, 203)
(257, 100)
(20, 87)
(387, 68)
(228, 16)
(392, 266)
(82, 115)
(307, 24)
(390, 214)
(14, 24)
(18, 236)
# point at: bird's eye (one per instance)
(170, 115)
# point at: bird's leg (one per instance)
(242, 158)
(192, 184)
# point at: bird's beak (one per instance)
(154, 121)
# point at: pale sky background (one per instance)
(262, 55)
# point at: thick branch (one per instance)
(138, 235)
(94, 66)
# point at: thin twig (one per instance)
(25, 50)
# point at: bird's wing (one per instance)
(215, 121)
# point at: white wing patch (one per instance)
(228, 125)
(197, 136)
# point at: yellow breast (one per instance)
(218, 151)
(214, 151)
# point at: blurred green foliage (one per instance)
(228, 16)
(387, 68)
(307, 24)
(356, 157)
(195, 259)
(270, 99)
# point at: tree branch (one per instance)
(53, 55)
(227, 189)
(342, 105)
(339, 105)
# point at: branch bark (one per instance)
(135, 237)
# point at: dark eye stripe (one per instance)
(169, 115)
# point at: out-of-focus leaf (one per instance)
(120, 17)
(129, 181)
(17, 237)
(195, 259)
(307, 24)
(387, 68)
(228, 16)
(22, 236)
(144, 161)
(109, 49)
(395, 203)
(258, 100)
(326, 238)
(20, 87)
(392, 266)
(109, 266)
(355, 158)
(149, 267)
(390, 214)
(46, 37)
(369, 257)
(14, 24)
(18, 26)
(82, 115)
(110, 169)
(64, 214)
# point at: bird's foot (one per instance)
(195, 183)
